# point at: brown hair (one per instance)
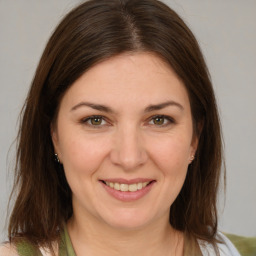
(93, 32)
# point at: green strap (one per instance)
(25, 248)
(65, 246)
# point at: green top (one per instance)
(245, 245)
(65, 247)
(25, 248)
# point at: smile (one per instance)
(127, 187)
(128, 190)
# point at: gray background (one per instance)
(226, 31)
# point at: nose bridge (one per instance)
(128, 148)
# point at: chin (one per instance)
(128, 219)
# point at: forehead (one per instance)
(129, 79)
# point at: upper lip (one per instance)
(125, 181)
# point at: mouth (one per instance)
(128, 190)
(125, 187)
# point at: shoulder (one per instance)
(245, 245)
(7, 249)
(25, 248)
(225, 247)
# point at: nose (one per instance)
(128, 149)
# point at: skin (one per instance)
(128, 143)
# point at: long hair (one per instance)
(89, 34)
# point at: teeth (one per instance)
(125, 187)
(133, 187)
(144, 184)
(117, 186)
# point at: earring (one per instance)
(56, 158)
(191, 159)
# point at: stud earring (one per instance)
(56, 158)
(191, 159)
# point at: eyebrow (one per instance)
(93, 106)
(107, 109)
(151, 108)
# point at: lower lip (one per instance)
(128, 196)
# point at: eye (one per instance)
(161, 120)
(94, 121)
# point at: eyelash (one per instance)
(169, 120)
(90, 118)
(86, 120)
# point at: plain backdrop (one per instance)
(226, 31)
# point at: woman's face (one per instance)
(124, 135)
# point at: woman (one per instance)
(120, 145)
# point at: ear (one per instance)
(195, 140)
(193, 148)
(55, 140)
(194, 144)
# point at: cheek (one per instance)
(171, 154)
(82, 157)
(171, 158)
(82, 154)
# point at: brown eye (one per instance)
(159, 120)
(96, 120)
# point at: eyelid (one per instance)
(168, 118)
(85, 120)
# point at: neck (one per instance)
(95, 238)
